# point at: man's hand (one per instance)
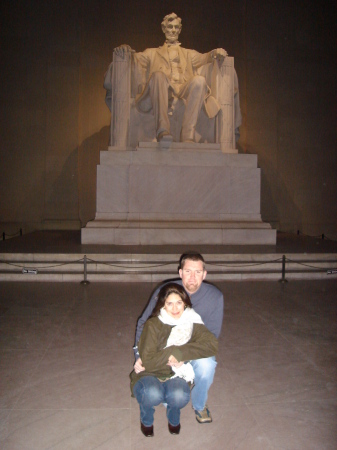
(122, 49)
(138, 366)
(219, 53)
(173, 362)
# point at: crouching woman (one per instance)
(172, 336)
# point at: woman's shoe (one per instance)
(174, 429)
(147, 431)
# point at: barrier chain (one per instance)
(31, 270)
(11, 235)
(318, 236)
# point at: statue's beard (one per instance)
(172, 42)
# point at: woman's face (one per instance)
(174, 306)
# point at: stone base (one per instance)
(167, 194)
(175, 233)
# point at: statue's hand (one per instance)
(122, 50)
(219, 53)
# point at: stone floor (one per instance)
(66, 355)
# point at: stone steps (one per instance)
(155, 268)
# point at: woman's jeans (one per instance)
(204, 370)
(150, 392)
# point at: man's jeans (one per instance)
(150, 392)
(204, 370)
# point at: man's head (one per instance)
(192, 271)
(171, 26)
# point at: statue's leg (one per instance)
(194, 93)
(159, 86)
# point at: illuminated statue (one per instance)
(163, 76)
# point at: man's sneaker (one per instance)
(203, 416)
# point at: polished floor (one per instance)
(66, 355)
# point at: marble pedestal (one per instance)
(177, 194)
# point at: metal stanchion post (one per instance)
(85, 281)
(283, 279)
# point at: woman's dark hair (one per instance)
(165, 291)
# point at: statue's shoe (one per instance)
(164, 136)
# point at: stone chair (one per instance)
(124, 79)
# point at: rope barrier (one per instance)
(85, 260)
(152, 266)
(330, 239)
(306, 265)
(318, 236)
(244, 265)
(43, 267)
(11, 235)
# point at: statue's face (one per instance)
(172, 30)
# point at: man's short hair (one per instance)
(170, 18)
(192, 257)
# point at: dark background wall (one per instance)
(54, 120)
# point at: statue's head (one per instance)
(171, 26)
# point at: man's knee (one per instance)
(204, 367)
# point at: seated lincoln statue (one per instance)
(171, 73)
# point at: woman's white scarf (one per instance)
(180, 334)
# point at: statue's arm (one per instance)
(121, 50)
(141, 66)
(142, 59)
(200, 59)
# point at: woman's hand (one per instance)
(173, 362)
(139, 366)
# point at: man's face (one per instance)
(172, 30)
(192, 275)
